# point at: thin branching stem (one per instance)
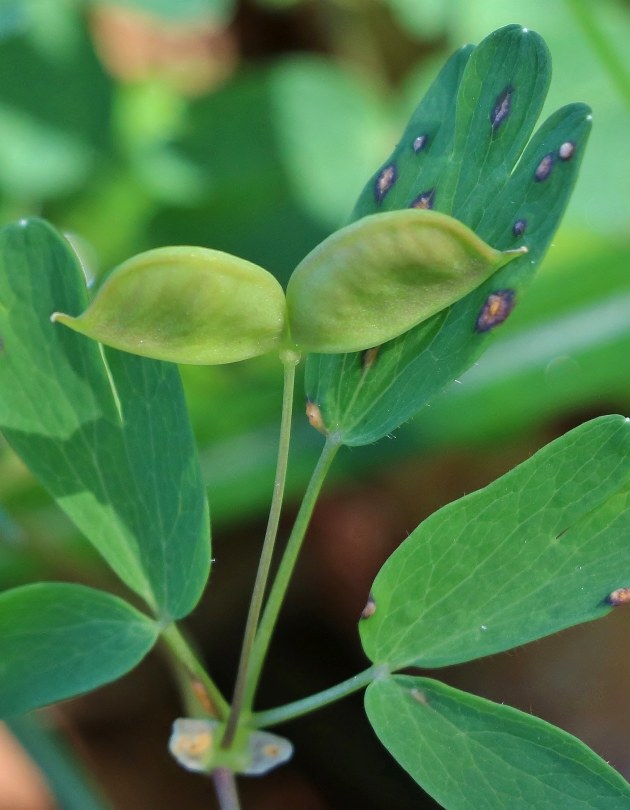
(271, 717)
(285, 570)
(290, 361)
(177, 644)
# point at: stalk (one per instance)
(285, 570)
(290, 361)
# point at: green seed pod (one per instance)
(382, 275)
(186, 305)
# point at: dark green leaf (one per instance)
(485, 191)
(424, 149)
(470, 753)
(106, 433)
(55, 106)
(60, 640)
(538, 550)
(562, 351)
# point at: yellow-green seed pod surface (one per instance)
(382, 275)
(186, 305)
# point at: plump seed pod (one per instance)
(380, 276)
(186, 305)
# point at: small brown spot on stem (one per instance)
(200, 692)
(369, 609)
(619, 597)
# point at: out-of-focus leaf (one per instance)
(70, 786)
(106, 432)
(538, 550)
(470, 753)
(330, 128)
(506, 208)
(220, 11)
(54, 109)
(319, 131)
(60, 640)
(425, 20)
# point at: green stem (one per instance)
(290, 361)
(216, 704)
(271, 717)
(285, 570)
(225, 786)
(583, 12)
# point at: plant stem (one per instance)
(290, 361)
(225, 786)
(285, 570)
(587, 20)
(272, 717)
(215, 704)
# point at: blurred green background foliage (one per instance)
(251, 127)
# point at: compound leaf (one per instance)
(106, 432)
(461, 154)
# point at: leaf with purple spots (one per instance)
(420, 157)
(479, 167)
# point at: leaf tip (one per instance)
(66, 320)
(519, 251)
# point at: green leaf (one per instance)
(106, 432)
(423, 152)
(561, 352)
(465, 168)
(61, 640)
(382, 275)
(469, 753)
(538, 550)
(186, 305)
(55, 105)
